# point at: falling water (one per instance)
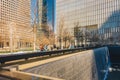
(86, 65)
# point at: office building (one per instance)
(90, 14)
(15, 25)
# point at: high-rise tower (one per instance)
(46, 24)
(15, 25)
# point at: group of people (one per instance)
(47, 47)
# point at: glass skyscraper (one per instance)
(45, 19)
(46, 12)
(93, 14)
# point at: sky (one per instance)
(50, 8)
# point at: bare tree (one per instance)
(60, 31)
(50, 34)
(94, 37)
(38, 23)
(79, 33)
(88, 36)
(66, 37)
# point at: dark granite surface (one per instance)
(114, 74)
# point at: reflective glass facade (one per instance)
(89, 13)
(45, 19)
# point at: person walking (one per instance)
(41, 47)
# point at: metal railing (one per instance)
(104, 58)
(26, 56)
